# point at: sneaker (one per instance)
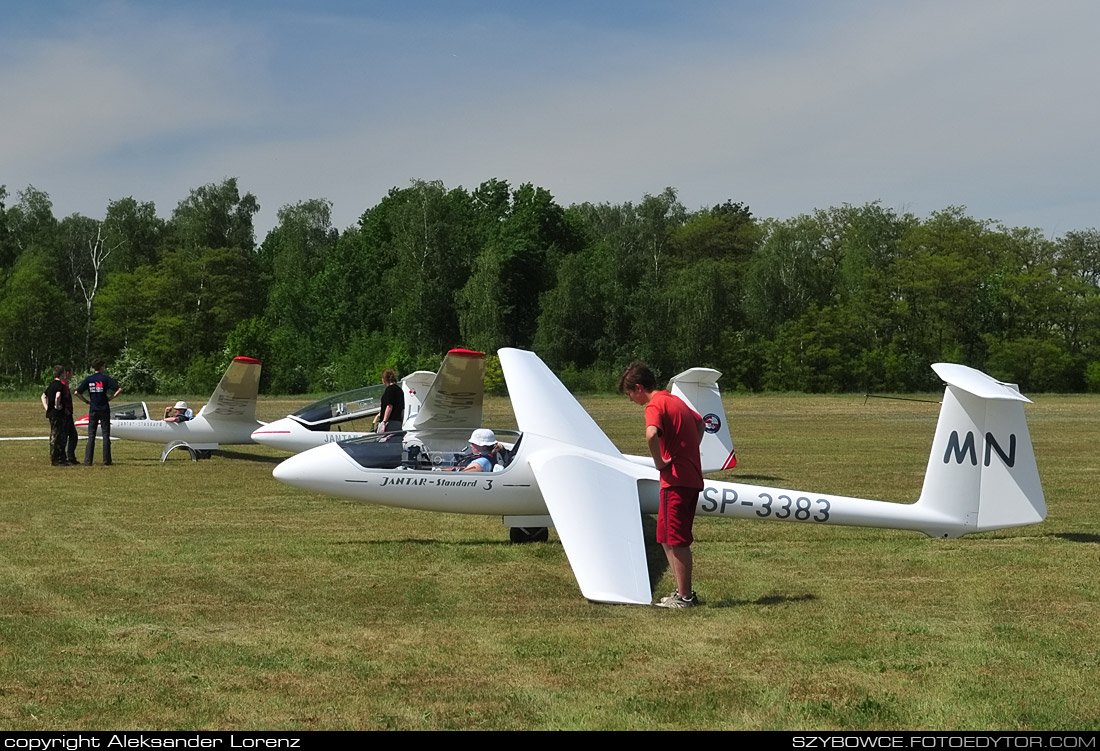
(674, 600)
(670, 598)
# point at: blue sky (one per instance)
(786, 106)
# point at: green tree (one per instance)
(499, 305)
(136, 233)
(215, 215)
(296, 257)
(34, 328)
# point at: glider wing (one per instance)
(594, 505)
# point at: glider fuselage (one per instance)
(514, 491)
(198, 433)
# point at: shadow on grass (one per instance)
(250, 457)
(447, 543)
(1078, 537)
(757, 478)
(181, 456)
(655, 558)
(733, 602)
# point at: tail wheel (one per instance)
(521, 535)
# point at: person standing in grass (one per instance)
(70, 446)
(98, 386)
(56, 399)
(673, 433)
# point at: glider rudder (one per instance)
(981, 472)
(699, 388)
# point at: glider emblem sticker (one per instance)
(712, 423)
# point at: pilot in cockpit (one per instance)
(179, 413)
(483, 442)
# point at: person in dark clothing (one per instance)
(70, 444)
(99, 387)
(56, 400)
(392, 414)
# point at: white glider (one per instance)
(227, 419)
(564, 470)
(451, 398)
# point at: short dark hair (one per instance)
(637, 373)
(58, 370)
(97, 364)
(388, 376)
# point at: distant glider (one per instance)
(452, 397)
(227, 419)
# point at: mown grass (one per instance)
(207, 595)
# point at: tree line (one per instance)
(850, 298)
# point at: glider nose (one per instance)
(280, 434)
(318, 469)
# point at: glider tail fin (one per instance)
(456, 395)
(416, 386)
(234, 399)
(699, 388)
(981, 473)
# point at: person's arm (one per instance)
(45, 404)
(117, 392)
(389, 411)
(653, 441)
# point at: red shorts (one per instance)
(676, 515)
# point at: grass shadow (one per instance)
(766, 600)
(1078, 537)
(250, 457)
(655, 558)
(447, 543)
(758, 478)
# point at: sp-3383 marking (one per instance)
(724, 499)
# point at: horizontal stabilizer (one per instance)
(976, 382)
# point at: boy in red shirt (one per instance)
(673, 433)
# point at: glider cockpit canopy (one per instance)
(339, 408)
(430, 449)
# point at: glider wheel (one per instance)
(521, 535)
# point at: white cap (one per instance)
(483, 437)
(180, 405)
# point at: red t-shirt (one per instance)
(678, 426)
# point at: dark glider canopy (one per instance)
(333, 410)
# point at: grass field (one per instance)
(207, 595)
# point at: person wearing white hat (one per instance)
(482, 442)
(182, 413)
